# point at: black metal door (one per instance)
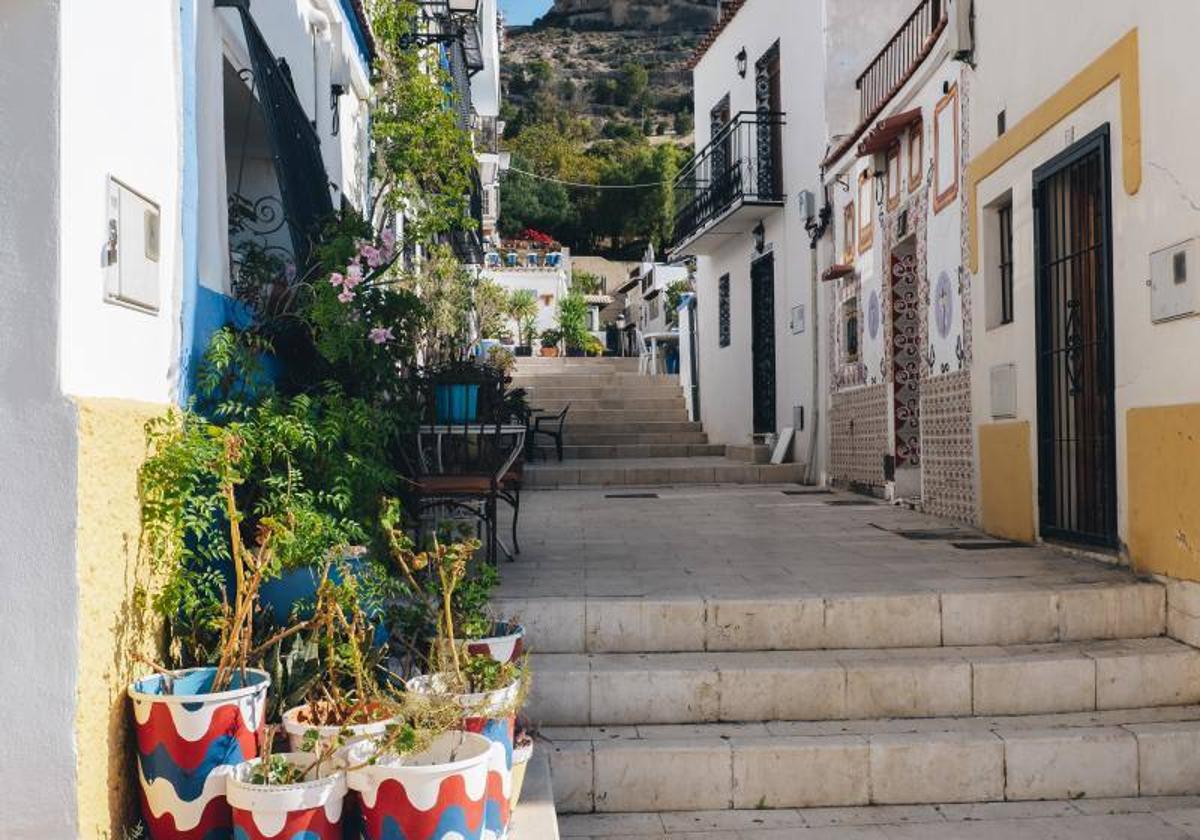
(694, 356)
(1076, 420)
(762, 342)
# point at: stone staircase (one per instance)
(627, 429)
(980, 693)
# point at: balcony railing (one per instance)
(487, 131)
(742, 165)
(900, 56)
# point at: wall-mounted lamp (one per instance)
(760, 237)
(742, 61)
(880, 186)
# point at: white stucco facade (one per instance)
(1151, 358)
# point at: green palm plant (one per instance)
(522, 308)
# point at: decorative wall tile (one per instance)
(859, 435)
(947, 446)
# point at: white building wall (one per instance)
(725, 383)
(38, 619)
(106, 349)
(1019, 67)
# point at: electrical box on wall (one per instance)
(132, 252)
(1003, 382)
(1175, 281)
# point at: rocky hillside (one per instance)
(621, 63)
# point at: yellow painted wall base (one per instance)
(1164, 489)
(113, 626)
(1006, 480)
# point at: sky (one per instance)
(518, 12)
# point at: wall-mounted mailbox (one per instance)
(1175, 281)
(132, 252)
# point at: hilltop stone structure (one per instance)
(678, 15)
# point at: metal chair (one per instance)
(647, 354)
(462, 464)
(555, 433)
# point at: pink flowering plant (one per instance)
(354, 321)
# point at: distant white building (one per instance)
(522, 266)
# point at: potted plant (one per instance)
(550, 341)
(342, 699)
(215, 532)
(523, 308)
(593, 346)
(487, 692)
(287, 795)
(412, 786)
(572, 321)
(190, 723)
(522, 753)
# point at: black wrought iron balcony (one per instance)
(900, 56)
(742, 167)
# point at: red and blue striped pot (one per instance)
(310, 810)
(493, 716)
(439, 794)
(188, 741)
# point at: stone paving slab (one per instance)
(1149, 818)
(758, 541)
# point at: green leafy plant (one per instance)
(586, 283)
(551, 337)
(572, 320)
(502, 359)
(523, 308)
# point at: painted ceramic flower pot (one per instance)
(309, 810)
(296, 729)
(521, 755)
(435, 795)
(188, 740)
(506, 644)
(494, 716)
(456, 402)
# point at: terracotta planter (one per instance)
(492, 716)
(435, 795)
(550, 352)
(296, 730)
(188, 741)
(506, 644)
(312, 810)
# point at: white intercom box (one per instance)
(132, 260)
(1175, 281)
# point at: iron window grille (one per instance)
(1004, 219)
(723, 326)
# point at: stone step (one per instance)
(632, 427)
(677, 688)
(575, 438)
(593, 380)
(616, 401)
(614, 362)
(607, 416)
(978, 613)
(656, 472)
(752, 453)
(574, 452)
(1147, 752)
(638, 392)
(535, 817)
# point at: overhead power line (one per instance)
(547, 178)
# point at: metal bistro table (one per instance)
(431, 450)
